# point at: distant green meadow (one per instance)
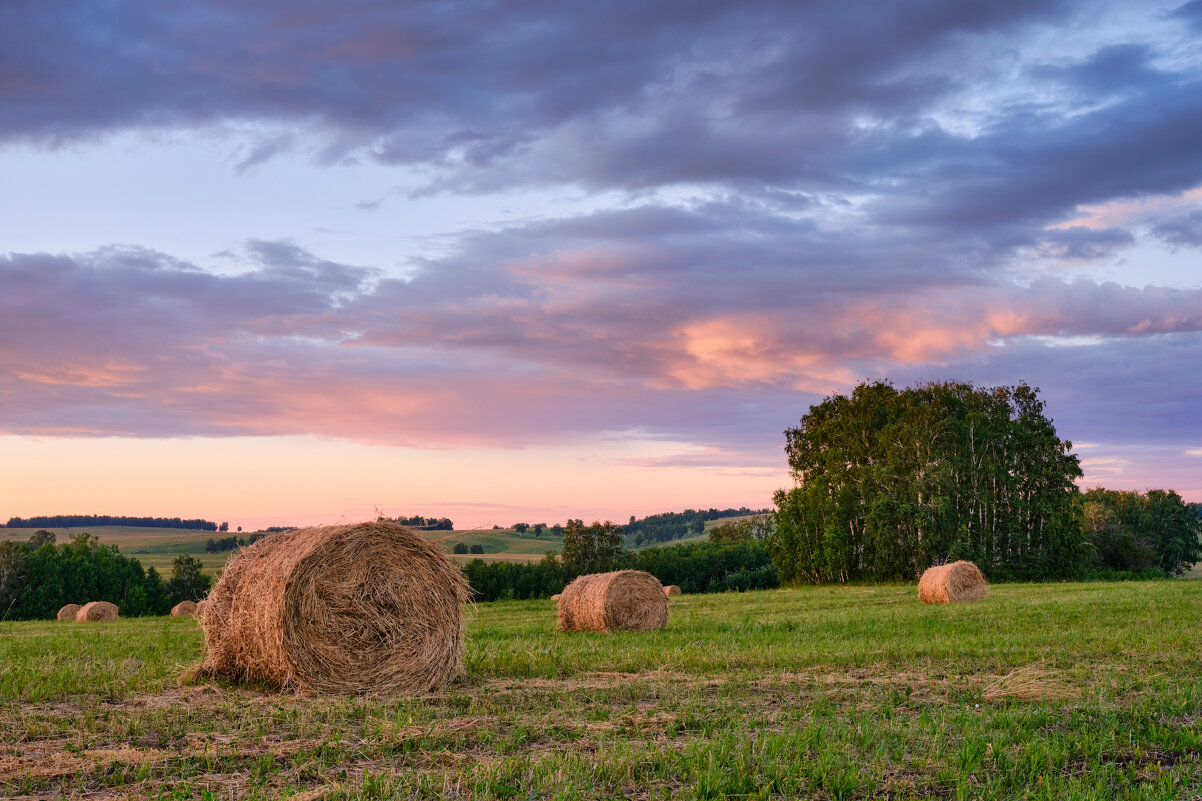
(1054, 691)
(158, 547)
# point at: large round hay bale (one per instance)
(628, 600)
(184, 609)
(671, 589)
(96, 611)
(951, 583)
(370, 607)
(68, 612)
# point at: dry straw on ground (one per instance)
(96, 611)
(370, 607)
(630, 600)
(951, 583)
(68, 612)
(671, 589)
(184, 609)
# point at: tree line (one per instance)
(230, 543)
(889, 482)
(677, 525)
(695, 567)
(417, 521)
(95, 521)
(39, 577)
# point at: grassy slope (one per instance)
(1086, 691)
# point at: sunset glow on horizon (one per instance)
(289, 263)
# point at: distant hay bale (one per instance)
(557, 596)
(628, 600)
(671, 589)
(68, 612)
(96, 611)
(369, 607)
(951, 583)
(200, 607)
(184, 609)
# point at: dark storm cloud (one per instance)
(481, 83)
(754, 96)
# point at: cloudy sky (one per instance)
(290, 261)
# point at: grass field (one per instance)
(1059, 691)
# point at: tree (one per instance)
(459, 547)
(1138, 532)
(742, 530)
(890, 481)
(520, 527)
(14, 562)
(224, 527)
(187, 582)
(158, 598)
(592, 548)
(42, 537)
(476, 548)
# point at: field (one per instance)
(157, 547)
(1058, 691)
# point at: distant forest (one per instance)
(678, 525)
(80, 521)
(419, 522)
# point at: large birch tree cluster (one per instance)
(890, 481)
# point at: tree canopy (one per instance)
(891, 481)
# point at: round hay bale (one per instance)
(96, 611)
(68, 612)
(184, 609)
(671, 589)
(369, 607)
(951, 583)
(557, 596)
(628, 600)
(200, 607)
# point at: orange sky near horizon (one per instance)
(255, 482)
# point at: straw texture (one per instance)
(184, 609)
(951, 583)
(628, 600)
(96, 611)
(68, 612)
(370, 607)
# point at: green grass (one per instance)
(1059, 691)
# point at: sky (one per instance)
(297, 262)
